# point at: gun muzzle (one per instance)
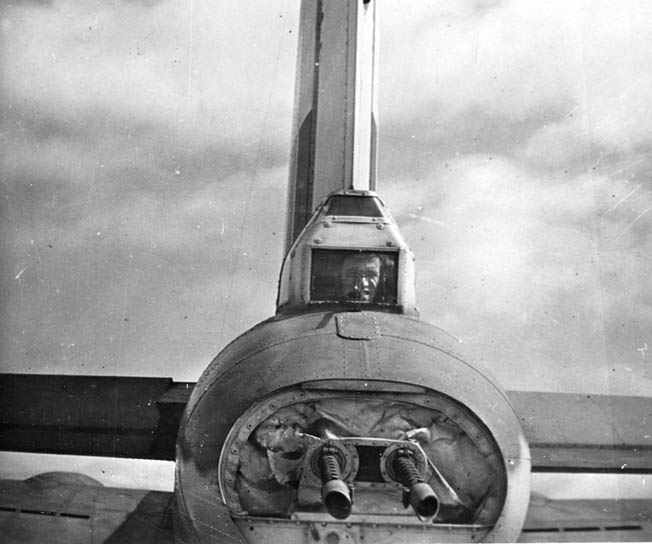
(421, 496)
(423, 500)
(334, 492)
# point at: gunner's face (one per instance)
(360, 277)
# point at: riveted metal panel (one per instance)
(307, 348)
(357, 326)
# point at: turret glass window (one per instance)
(353, 276)
(343, 205)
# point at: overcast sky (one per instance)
(144, 167)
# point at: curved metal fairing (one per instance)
(384, 399)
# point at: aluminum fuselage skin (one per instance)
(373, 352)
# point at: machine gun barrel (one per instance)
(336, 495)
(422, 498)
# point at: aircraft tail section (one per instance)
(334, 133)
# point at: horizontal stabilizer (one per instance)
(139, 417)
(588, 520)
(586, 433)
(91, 415)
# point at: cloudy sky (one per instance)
(145, 151)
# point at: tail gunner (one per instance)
(359, 277)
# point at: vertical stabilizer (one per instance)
(334, 133)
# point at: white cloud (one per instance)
(517, 132)
(199, 69)
(516, 58)
(533, 273)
